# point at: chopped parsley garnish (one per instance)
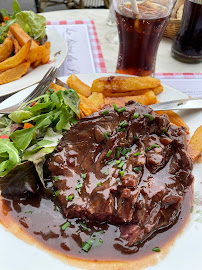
(70, 197)
(56, 178)
(109, 153)
(125, 151)
(123, 124)
(136, 154)
(99, 184)
(120, 166)
(137, 169)
(78, 187)
(84, 226)
(163, 132)
(100, 232)
(121, 173)
(118, 152)
(28, 212)
(119, 110)
(106, 136)
(122, 109)
(136, 115)
(120, 129)
(152, 147)
(151, 118)
(83, 175)
(57, 192)
(86, 246)
(135, 137)
(110, 162)
(107, 171)
(180, 103)
(156, 249)
(115, 107)
(65, 226)
(99, 242)
(105, 112)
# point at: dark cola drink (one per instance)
(139, 36)
(187, 45)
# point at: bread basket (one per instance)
(172, 28)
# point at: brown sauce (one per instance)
(40, 220)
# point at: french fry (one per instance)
(175, 119)
(47, 57)
(82, 114)
(147, 99)
(36, 64)
(57, 87)
(156, 90)
(79, 86)
(86, 106)
(123, 84)
(16, 45)
(14, 73)
(97, 99)
(16, 59)
(10, 35)
(37, 54)
(6, 49)
(195, 145)
(21, 36)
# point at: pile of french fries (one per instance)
(117, 90)
(18, 52)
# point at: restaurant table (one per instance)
(164, 64)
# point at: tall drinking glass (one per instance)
(140, 35)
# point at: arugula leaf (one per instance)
(16, 9)
(40, 106)
(72, 100)
(4, 29)
(7, 149)
(4, 13)
(22, 138)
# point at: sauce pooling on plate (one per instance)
(41, 219)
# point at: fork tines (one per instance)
(44, 84)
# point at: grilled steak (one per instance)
(128, 167)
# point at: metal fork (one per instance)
(41, 88)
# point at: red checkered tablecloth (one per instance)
(94, 41)
(178, 75)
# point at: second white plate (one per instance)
(59, 50)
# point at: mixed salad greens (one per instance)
(32, 23)
(31, 133)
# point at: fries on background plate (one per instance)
(21, 35)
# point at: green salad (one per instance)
(31, 133)
(32, 23)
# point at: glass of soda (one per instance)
(140, 35)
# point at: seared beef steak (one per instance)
(128, 167)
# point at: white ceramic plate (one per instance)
(58, 54)
(185, 253)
